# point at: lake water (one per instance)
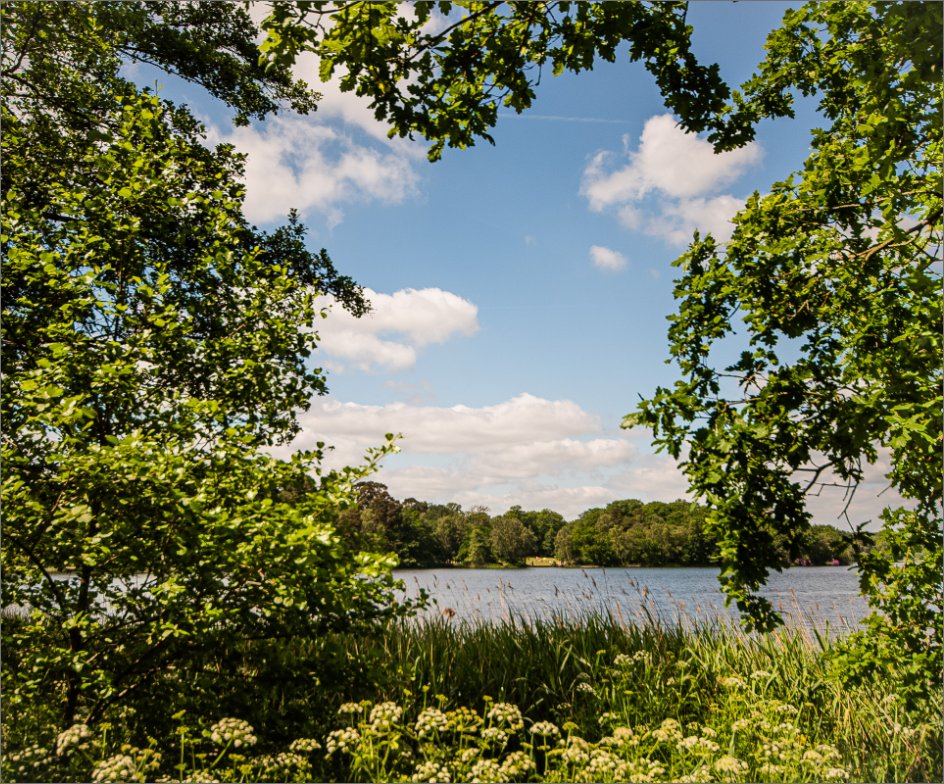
(824, 597)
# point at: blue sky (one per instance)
(520, 290)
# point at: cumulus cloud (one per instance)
(390, 336)
(607, 259)
(319, 163)
(523, 419)
(665, 185)
(295, 163)
(526, 450)
(675, 221)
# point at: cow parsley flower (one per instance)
(506, 714)
(76, 736)
(235, 731)
(385, 715)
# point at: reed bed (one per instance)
(554, 699)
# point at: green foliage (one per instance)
(511, 541)
(631, 533)
(153, 344)
(624, 533)
(447, 81)
(904, 582)
(572, 701)
(82, 44)
(834, 277)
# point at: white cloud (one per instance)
(294, 163)
(607, 259)
(665, 185)
(528, 451)
(676, 221)
(398, 325)
(440, 430)
(525, 450)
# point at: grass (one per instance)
(617, 701)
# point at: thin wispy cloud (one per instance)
(563, 118)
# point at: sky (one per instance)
(520, 291)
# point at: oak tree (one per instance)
(154, 343)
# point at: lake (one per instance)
(822, 597)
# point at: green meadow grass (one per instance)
(555, 700)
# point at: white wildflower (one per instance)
(468, 755)
(431, 771)
(700, 775)
(667, 732)
(431, 720)
(487, 771)
(234, 731)
(516, 764)
(283, 766)
(696, 743)
(602, 765)
(506, 714)
(545, 728)
(732, 682)
(730, 766)
(76, 736)
(836, 774)
(120, 768)
(345, 739)
(829, 753)
(304, 745)
(577, 751)
(385, 715)
(495, 735)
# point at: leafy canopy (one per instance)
(443, 69)
(153, 343)
(834, 279)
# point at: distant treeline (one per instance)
(624, 533)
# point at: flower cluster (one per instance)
(516, 764)
(463, 719)
(118, 768)
(495, 735)
(668, 732)
(232, 731)
(730, 767)
(77, 736)
(430, 721)
(506, 715)
(385, 715)
(545, 729)
(431, 771)
(26, 761)
(697, 743)
(285, 766)
(486, 771)
(304, 745)
(345, 739)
